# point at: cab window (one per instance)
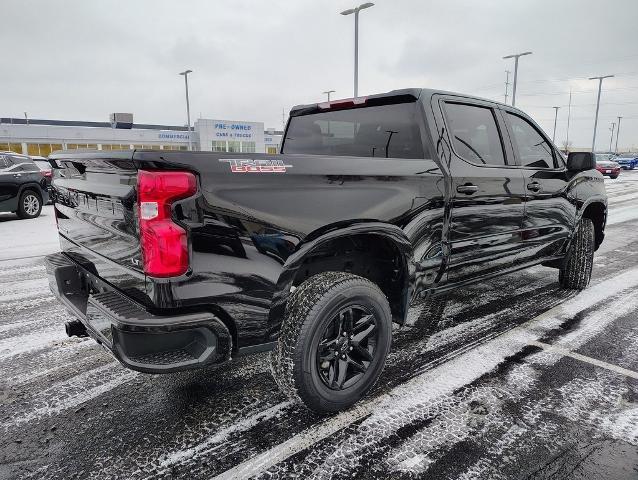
(533, 150)
(475, 134)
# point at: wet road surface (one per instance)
(516, 379)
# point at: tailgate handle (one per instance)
(467, 189)
(534, 186)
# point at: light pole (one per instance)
(507, 84)
(618, 133)
(328, 92)
(611, 140)
(600, 86)
(188, 108)
(569, 115)
(555, 119)
(515, 57)
(356, 11)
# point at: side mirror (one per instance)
(581, 161)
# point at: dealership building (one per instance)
(41, 137)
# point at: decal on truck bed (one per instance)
(247, 165)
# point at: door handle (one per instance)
(17, 175)
(467, 189)
(534, 187)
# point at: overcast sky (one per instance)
(81, 59)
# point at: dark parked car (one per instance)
(176, 260)
(46, 169)
(23, 187)
(627, 161)
(608, 168)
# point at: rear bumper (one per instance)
(139, 339)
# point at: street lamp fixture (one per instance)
(188, 108)
(515, 56)
(328, 92)
(356, 11)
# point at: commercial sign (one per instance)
(173, 136)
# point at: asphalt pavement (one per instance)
(516, 380)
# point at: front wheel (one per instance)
(29, 204)
(577, 266)
(334, 341)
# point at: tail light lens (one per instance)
(344, 103)
(164, 243)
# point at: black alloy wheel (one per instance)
(347, 347)
(334, 341)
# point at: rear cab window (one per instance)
(384, 131)
(475, 134)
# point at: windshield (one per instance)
(382, 131)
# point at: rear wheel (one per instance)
(576, 270)
(334, 341)
(29, 204)
(613, 177)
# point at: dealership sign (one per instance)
(233, 130)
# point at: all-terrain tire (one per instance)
(29, 204)
(576, 270)
(310, 309)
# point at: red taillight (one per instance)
(164, 243)
(47, 173)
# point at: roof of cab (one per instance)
(394, 96)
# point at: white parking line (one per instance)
(599, 363)
(445, 379)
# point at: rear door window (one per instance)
(475, 133)
(533, 150)
(387, 131)
(5, 162)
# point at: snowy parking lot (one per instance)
(516, 379)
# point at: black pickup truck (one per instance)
(177, 260)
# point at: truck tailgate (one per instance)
(95, 204)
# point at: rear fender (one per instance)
(32, 186)
(388, 231)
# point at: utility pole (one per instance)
(600, 86)
(515, 56)
(618, 133)
(611, 140)
(356, 11)
(328, 92)
(569, 115)
(188, 109)
(507, 83)
(555, 120)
